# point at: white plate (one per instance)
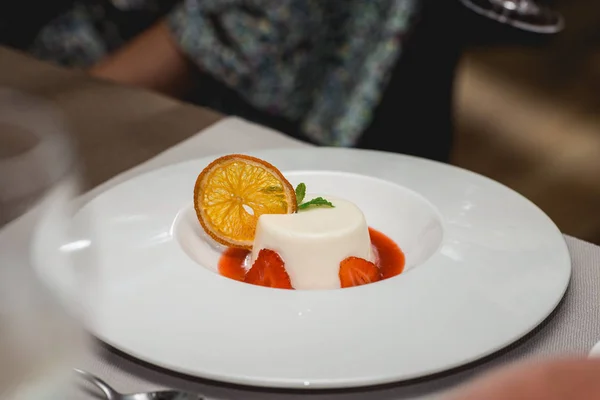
(484, 267)
(595, 351)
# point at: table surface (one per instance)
(122, 129)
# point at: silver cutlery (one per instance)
(529, 15)
(112, 394)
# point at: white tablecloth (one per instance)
(573, 329)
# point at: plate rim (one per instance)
(341, 383)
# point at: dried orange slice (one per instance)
(233, 191)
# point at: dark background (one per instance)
(528, 115)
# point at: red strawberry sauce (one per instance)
(389, 258)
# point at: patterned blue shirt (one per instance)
(324, 63)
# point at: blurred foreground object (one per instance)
(566, 379)
(41, 336)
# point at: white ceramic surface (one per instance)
(595, 351)
(484, 267)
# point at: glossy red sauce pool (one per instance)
(390, 258)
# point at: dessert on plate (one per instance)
(286, 238)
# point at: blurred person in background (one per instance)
(372, 74)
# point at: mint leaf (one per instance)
(316, 202)
(300, 193)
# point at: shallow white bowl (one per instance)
(484, 267)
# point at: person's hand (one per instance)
(152, 60)
(567, 379)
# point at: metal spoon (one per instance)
(112, 394)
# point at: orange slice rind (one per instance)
(233, 191)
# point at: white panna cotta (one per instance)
(313, 242)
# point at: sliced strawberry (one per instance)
(268, 270)
(356, 271)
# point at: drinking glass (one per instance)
(43, 252)
(528, 15)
